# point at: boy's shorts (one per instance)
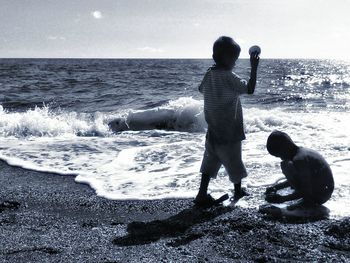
(229, 155)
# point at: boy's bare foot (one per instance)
(239, 194)
(208, 201)
(204, 200)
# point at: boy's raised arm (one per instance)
(254, 62)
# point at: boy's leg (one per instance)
(209, 169)
(231, 157)
(317, 197)
(239, 191)
(203, 189)
(277, 198)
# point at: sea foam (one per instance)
(40, 122)
(184, 114)
(149, 164)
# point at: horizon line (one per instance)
(171, 58)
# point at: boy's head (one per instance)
(225, 52)
(279, 144)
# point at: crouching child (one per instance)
(306, 172)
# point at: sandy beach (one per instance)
(50, 218)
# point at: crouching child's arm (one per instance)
(292, 176)
(254, 62)
(276, 187)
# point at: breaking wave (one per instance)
(183, 115)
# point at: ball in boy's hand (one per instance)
(254, 49)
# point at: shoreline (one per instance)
(46, 217)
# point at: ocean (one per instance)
(55, 115)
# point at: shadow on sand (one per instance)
(295, 214)
(181, 224)
(146, 232)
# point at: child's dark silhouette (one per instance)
(223, 113)
(306, 171)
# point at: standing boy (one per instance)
(223, 113)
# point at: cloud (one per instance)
(151, 49)
(97, 14)
(56, 38)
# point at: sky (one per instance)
(173, 28)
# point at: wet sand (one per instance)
(50, 218)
